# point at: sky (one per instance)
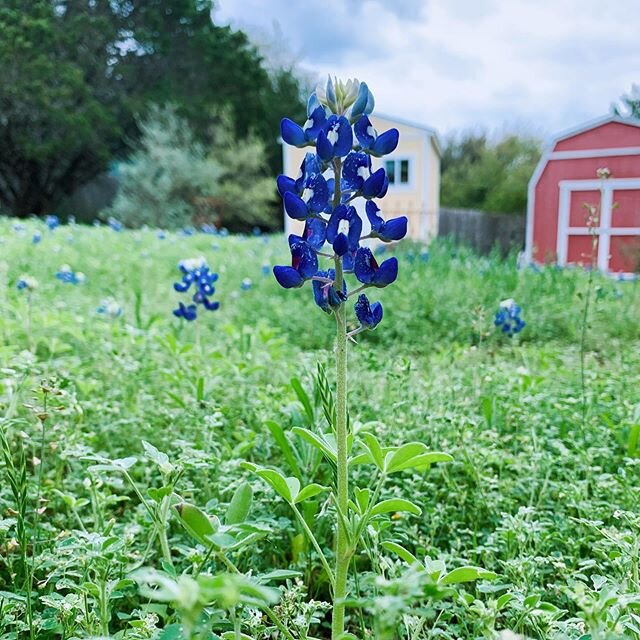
(526, 66)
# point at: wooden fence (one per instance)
(483, 231)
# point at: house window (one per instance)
(398, 171)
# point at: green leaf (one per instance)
(281, 439)
(238, 508)
(395, 504)
(310, 491)
(362, 498)
(372, 445)
(200, 390)
(634, 438)
(401, 552)
(196, 522)
(158, 457)
(322, 443)
(287, 488)
(423, 461)
(304, 399)
(467, 574)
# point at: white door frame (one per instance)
(604, 230)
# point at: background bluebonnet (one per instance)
(196, 276)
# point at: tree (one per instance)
(478, 174)
(172, 180)
(629, 104)
(75, 73)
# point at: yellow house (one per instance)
(413, 170)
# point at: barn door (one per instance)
(611, 238)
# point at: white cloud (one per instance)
(538, 64)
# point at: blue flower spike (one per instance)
(196, 274)
(323, 194)
(508, 318)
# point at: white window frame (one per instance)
(604, 230)
(397, 185)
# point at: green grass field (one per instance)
(543, 489)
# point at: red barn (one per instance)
(567, 178)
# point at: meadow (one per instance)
(107, 423)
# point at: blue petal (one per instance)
(345, 138)
(324, 147)
(315, 123)
(377, 312)
(304, 260)
(318, 202)
(394, 229)
(292, 133)
(315, 233)
(376, 221)
(361, 129)
(287, 277)
(351, 179)
(312, 104)
(181, 287)
(385, 143)
(285, 184)
(374, 184)
(387, 273)
(341, 244)
(209, 305)
(360, 104)
(295, 206)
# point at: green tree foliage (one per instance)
(479, 174)
(629, 104)
(172, 179)
(74, 74)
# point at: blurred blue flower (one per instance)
(36, 238)
(26, 283)
(52, 221)
(115, 224)
(68, 276)
(508, 318)
(109, 308)
(246, 284)
(196, 274)
(266, 269)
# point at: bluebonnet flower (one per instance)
(508, 318)
(367, 270)
(325, 294)
(188, 312)
(370, 141)
(358, 178)
(344, 229)
(52, 221)
(196, 274)
(161, 235)
(36, 238)
(266, 269)
(394, 229)
(369, 315)
(339, 126)
(304, 265)
(26, 283)
(115, 224)
(246, 284)
(208, 229)
(67, 275)
(109, 308)
(301, 136)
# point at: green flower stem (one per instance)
(315, 544)
(343, 551)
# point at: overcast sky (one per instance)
(526, 65)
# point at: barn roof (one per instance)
(592, 124)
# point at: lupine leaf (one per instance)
(421, 461)
(373, 447)
(395, 504)
(467, 574)
(281, 439)
(400, 551)
(238, 508)
(310, 491)
(407, 451)
(196, 522)
(319, 442)
(304, 399)
(362, 498)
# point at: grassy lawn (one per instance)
(543, 489)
